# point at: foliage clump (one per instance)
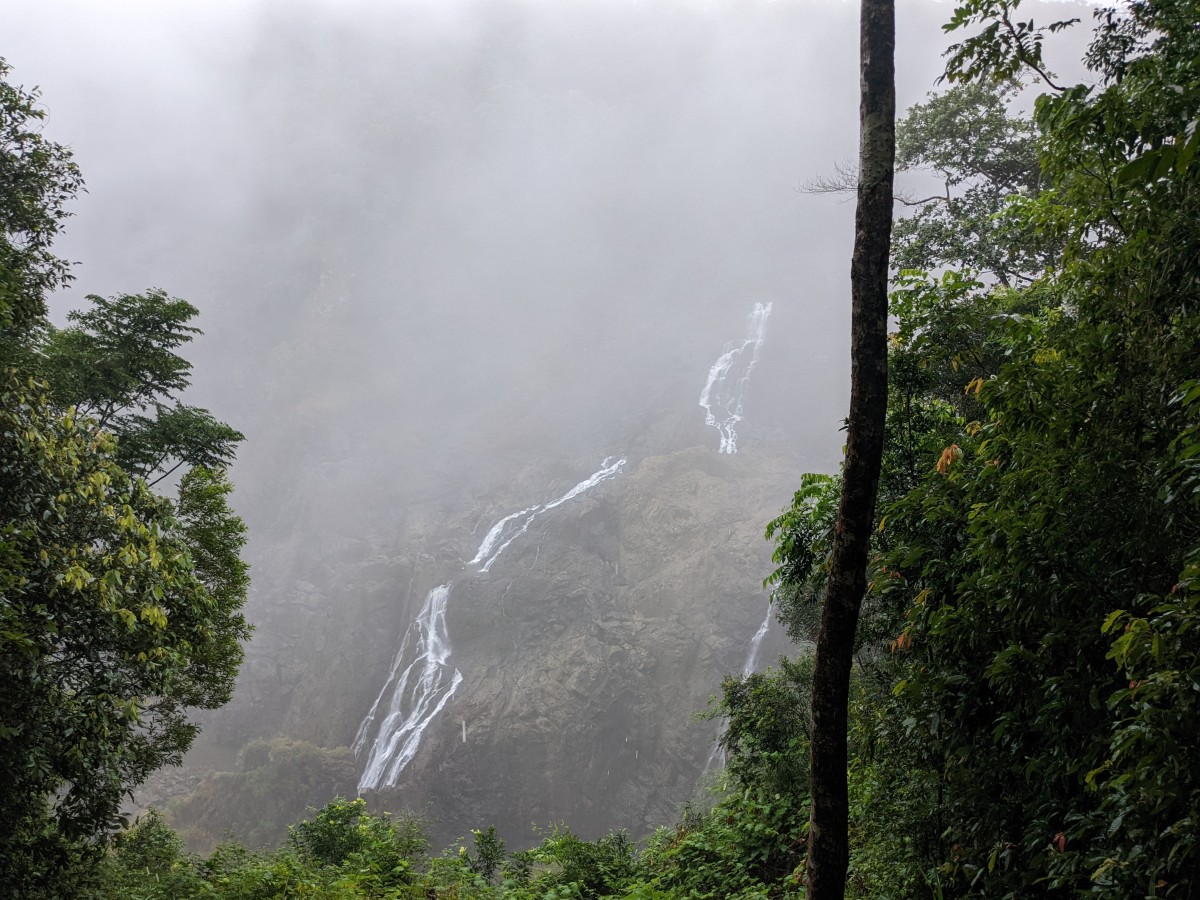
(270, 788)
(120, 608)
(1029, 658)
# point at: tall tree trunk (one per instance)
(828, 847)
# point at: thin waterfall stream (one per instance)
(421, 680)
(716, 759)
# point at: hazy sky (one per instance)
(449, 255)
(444, 236)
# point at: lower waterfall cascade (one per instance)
(421, 681)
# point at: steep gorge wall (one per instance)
(585, 650)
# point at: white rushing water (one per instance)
(421, 680)
(755, 643)
(416, 695)
(726, 385)
(511, 527)
(716, 759)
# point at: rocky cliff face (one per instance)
(567, 669)
(589, 645)
(585, 650)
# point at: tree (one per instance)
(983, 158)
(37, 181)
(119, 609)
(1039, 541)
(118, 365)
(828, 842)
(972, 224)
(119, 613)
(1047, 565)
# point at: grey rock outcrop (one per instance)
(586, 650)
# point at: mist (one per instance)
(544, 214)
(451, 255)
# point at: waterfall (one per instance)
(726, 384)
(716, 759)
(756, 642)
(420, 680)
(512, 526)
(417, 694)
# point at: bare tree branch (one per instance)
(844, 180)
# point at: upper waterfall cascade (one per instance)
(755, 643)
(421, 680)
(726, 384)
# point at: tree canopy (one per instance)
(119, 607)
(38, 179)
(117, 364)
(1029, 655)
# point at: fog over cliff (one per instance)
(450, 256)
(543, 213)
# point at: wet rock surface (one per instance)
(585, 650)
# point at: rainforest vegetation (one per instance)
(119, 606)
(1024, 707)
